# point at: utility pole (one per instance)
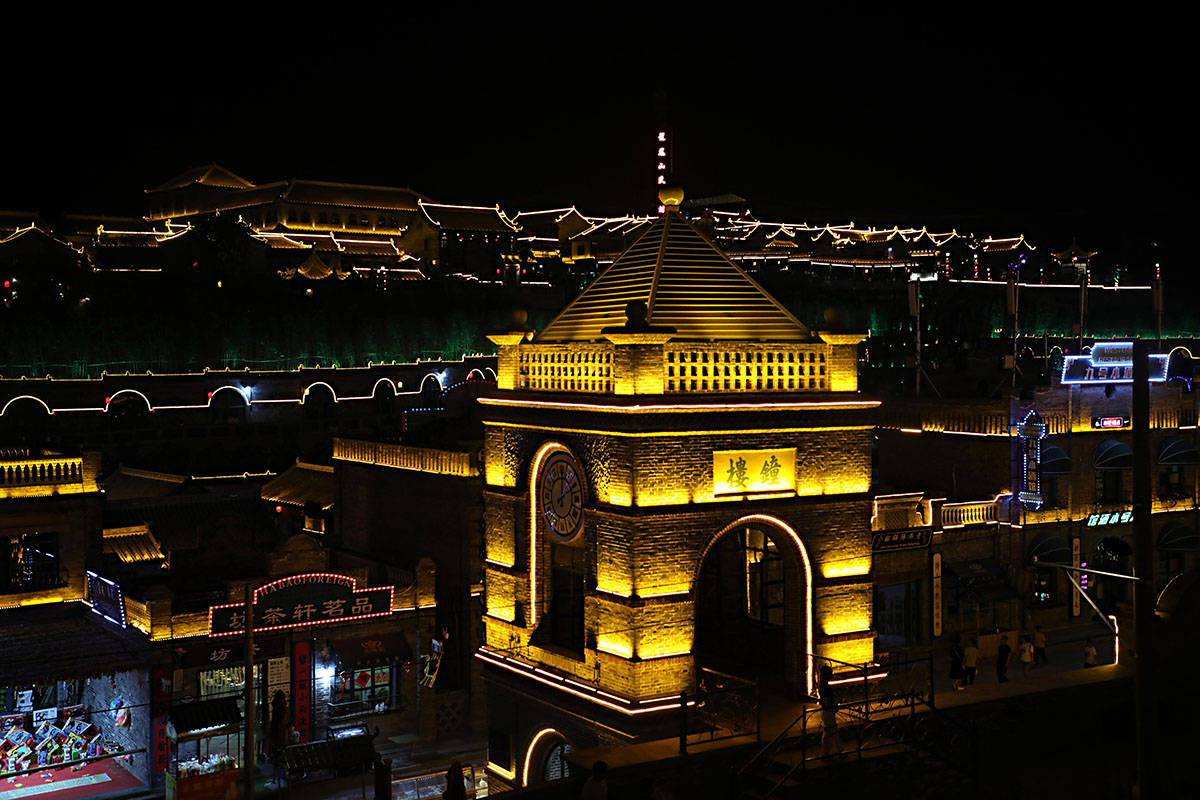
(914, 310)
(248, 702)
(1145, 696)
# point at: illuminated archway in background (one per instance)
(775, 522)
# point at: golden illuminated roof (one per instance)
(687, 284)
(132, 544)
(208, 175)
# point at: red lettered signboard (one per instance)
(302, 688)
(160, 696)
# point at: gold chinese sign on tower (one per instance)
(754, 471)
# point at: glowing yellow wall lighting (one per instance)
(847, 568)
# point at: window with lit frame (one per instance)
(357, 690)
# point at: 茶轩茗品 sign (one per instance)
(751, 471)
(312, 599)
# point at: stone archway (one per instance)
(752, 595)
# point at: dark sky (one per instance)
(1017, 120)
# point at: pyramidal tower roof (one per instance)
(687, 284)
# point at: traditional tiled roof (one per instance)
(349, 195)
(60, 641)
(687, 284)
(486, 219)
(132, 544)
(208, 175)
(128, 483)
(1074, 252)
(300, 484)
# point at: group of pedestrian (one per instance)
(1031, 652)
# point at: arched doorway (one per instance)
(1112, 555)
(546, 759)
(753, 604)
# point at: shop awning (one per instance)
(349, 752)
(1175, 451)
(1055, 461)
(1112, 454)
(1176, 537)
(372, 650)
(1047, 546)
(63, 641)
(204, 718)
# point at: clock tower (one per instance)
(677, 482)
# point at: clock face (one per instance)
(560, 491)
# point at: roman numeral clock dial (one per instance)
(560, 492)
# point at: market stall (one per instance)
(203, 743)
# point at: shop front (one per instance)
(331, 647)
(81, 700)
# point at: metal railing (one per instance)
(724, 707)
(888, 704)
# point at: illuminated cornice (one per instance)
(670, 408)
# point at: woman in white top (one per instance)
(1026, 656)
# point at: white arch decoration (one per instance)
(544, 732)
(25, 397)
(808, 580)
(388, 381)
(307, 389)
(109, 400)
(428, 375)
(240, 393)
(1180, 347)
(476, 371)
(489, 369)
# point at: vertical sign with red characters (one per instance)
(937, 594)
(302, 681)
(160, 699)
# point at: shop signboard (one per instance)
(937, 594)
(227, 652)
(160, 700)
(106, 598)
(302, 675)
(313, 599)
(754, 471)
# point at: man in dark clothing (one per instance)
(1002, 654)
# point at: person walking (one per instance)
(830, 740)
(970, 661)
(1089, 654)
(596, 786)
(1039, 647)
(1002, 654)
(956, 664)
(1026, 655)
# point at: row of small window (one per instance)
(570, 385)
(740, 371)
(563, 357)
(772, 357)
(735, 384)
(352, 220)
(571, 371)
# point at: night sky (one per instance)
(1022, 122)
